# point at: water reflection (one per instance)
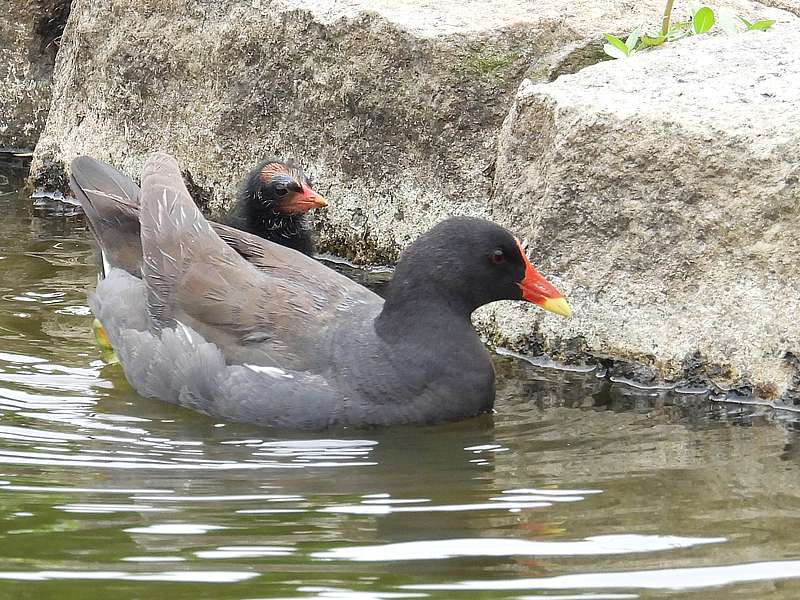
(670, 579)
(577, 483)
(439, 549)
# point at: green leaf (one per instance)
(747, 23)
(703, 20)
(633, 39)
(618, 43)
(761, 25)
(728, 21)
(613, 51)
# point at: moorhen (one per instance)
(272, 203)
(237, 327)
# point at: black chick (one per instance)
(272, 203)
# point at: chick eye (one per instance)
(498, 257)
(281, 191)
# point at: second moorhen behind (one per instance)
(272, 203)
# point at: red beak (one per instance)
(538, 290)
(304, 201)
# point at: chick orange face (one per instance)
(287, 187)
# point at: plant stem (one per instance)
(667, 17)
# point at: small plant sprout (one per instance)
(731, 24)
(762, 25)
(702, 20)
(616, 48)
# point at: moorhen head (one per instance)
(463, 263)
(272, 203)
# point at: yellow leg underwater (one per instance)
(101, 339)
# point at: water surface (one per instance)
(577, 488)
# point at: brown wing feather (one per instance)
(271, 308)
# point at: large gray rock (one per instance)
(665, 192)
(793, 6)
(29, 33)
(396, 107)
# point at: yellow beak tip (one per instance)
(558, 306)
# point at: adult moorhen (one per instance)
(237, 327)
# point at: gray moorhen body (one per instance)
(224, 322)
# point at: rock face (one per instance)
(665, 191)
(396, 108)
(29, 33)
(793, 6)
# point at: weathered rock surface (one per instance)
(793, 6)
(665, 192)
(395, 107)
(29, 33)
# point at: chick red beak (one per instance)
(538, 290)
(304, 201)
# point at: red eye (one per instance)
(498, 257)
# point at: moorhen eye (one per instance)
(498, 257)
(281, 191)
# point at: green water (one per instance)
(576, 488)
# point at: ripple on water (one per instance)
(439, 549)
(189, 576)
(664, 579)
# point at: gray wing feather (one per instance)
(110, 201)
(277, 313)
